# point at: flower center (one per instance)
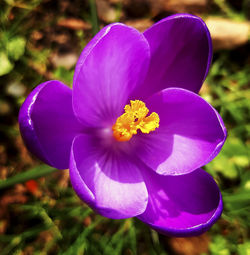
(134, 118)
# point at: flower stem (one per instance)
(94, 17)
(34, 173)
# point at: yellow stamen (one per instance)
(134, 118)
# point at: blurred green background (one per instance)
(41, 40)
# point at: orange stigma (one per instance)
(134, 118)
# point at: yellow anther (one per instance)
(134, 118)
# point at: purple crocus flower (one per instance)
(133, 131)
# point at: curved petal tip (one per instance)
(181, 206)
(47, 123)
(181, 54)
(108, 181)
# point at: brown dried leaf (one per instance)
(16, 196)
(87, 221)
(181, 6)
(105, 11)
(63, 181)
(75, 24)
(23, 152)
(3, 226)
(190, 245)
(45, 237)
(227, 34)
(66, 60)
(140, 24)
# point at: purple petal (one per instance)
(115, 62)
(191, 133)
(181, 52)
(106, 179)
(184, 205)
(47, 123)
(87, 49)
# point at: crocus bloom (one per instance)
(133, 131)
